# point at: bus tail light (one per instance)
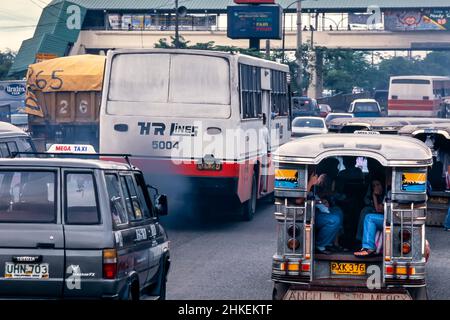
(109, 263)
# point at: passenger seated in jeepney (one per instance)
(374, 221)
(328, 218)
(373, 202)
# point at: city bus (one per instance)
(418, 96)
(203, 123)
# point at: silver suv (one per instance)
(75, 228)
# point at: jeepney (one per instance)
(398, 272)
(386, 125)
(437, 137)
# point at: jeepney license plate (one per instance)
(358, 269)
(26, 271)
(329, 295)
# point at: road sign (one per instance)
(255, 22)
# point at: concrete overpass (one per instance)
(352, 40)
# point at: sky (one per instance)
(18, 19)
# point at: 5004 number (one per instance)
(165, 145)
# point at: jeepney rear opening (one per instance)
(397, 272)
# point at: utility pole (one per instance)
(299, 54)
(177, 26)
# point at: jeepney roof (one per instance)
(63, 163)
(389, 150)
(384, 122)
(432, 128)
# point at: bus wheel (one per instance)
(248, 208)
(418, 293)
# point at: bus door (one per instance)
(266, 87)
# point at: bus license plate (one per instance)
(26, 271)
(358, 269)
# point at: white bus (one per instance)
(418, 96)
(201, 122)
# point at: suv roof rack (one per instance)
(125, 156)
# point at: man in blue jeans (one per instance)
(447, 221)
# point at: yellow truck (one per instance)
(63, 100)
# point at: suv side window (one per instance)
(81, 199)
(4, 150)
(144, 195)
(131, 198)
(118, 211)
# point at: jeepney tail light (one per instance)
(387, 244)
(293, 244)
(400, 270)
(308, 242)
(306, 267)
(109, 263)
(406, 248)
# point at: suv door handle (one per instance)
(42, 245)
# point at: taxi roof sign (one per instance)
(366, 132)
(71, 148)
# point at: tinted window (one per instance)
(366, 107)
(144, 196)
(411, 81)
(116, 202)
(304, 104)
(131, 199)
(81, 199)
(27, 196)
(308, 123)
(4, 150)
(280, 104)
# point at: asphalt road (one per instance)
(222, 258)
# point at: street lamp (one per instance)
(299, 51)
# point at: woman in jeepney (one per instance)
(328, 218)
(374, 221)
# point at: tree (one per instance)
(6, 60)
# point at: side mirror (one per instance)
(161, 205)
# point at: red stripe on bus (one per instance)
(183, 167)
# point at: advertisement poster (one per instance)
(137, 22)
(414, 182)
(115, 21)
(126, 22)
(286, 179)
(414, 20)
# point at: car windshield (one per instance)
(366, 107)
(303, 104)
(308, 123)
(27, 196)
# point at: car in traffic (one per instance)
(325, 109)
(13, 140)
(80, 228)
(305, 126)
(365, 108)
(332, 116)
(304, 106)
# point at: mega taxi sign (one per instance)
(71, 148)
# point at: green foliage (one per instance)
(183, 44)
(6, 60)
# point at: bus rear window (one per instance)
(410, 81)
(175, 78)
(27, 196)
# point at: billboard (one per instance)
(415, 20)
(255, 22)
(12, 99)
